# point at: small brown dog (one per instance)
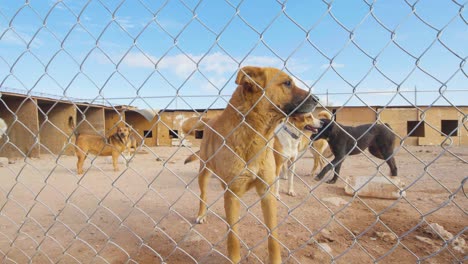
(319, 146)
(237, 148)
(113, 146)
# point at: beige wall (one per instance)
(23, 134)
(139, 125)
(54, 130)
(164, 122)
(92, 122)
(113, 119)
(433, 119)
(433, 116)
(179, 117)
(353, 116)
(397, 118)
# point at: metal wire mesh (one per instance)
(154, 64)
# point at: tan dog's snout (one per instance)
(302, 103)
(123, 132)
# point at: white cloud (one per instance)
(125, 22)
(139, 60)
(334, 65)
(216, 66)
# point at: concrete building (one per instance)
(39, 125)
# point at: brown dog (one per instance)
(113, 146)
(320, 145)
(132, 145)
(292, 138)
(237, 147)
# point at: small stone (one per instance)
(386, 236)
(326, 247)
(376, 187)
(325, 236)
(426, 240)
(336, 201)
(3, 161)
(438, 231)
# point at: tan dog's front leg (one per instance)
(231, 206)
(269, 209)
(291, 170)
(79, 165)
(115, 160)
(203, 178)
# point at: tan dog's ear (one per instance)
(251, 77)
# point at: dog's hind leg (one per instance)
(335, 163)
(337, 172)
(317, 162)
(81, 159)
(203, 177)
(384, 153)
(393, 168)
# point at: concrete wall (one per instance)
(90, 120)
(113, 119)
(179, 117)
(398, 119)
(353, 116)
(140, 124)
(433, 119)
(164, 122)
(23, 133)
(54, 129)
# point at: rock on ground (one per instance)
(375, 186)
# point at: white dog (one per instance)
(292, 138)
(3, 127)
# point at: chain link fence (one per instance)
(91, 66)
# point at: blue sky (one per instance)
(185, 53)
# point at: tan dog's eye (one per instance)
(287, 83)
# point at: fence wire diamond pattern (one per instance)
(156, 64)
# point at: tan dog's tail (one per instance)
(192, 157)
(71, 124)
(194, 123)
(324, 115)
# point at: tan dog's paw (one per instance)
(201, 219)
(116, 169)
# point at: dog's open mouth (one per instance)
(311, 129)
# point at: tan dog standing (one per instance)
(237, 147)
(113, 146)
(319, 146)
(292, 138)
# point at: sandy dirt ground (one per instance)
(145, 213)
